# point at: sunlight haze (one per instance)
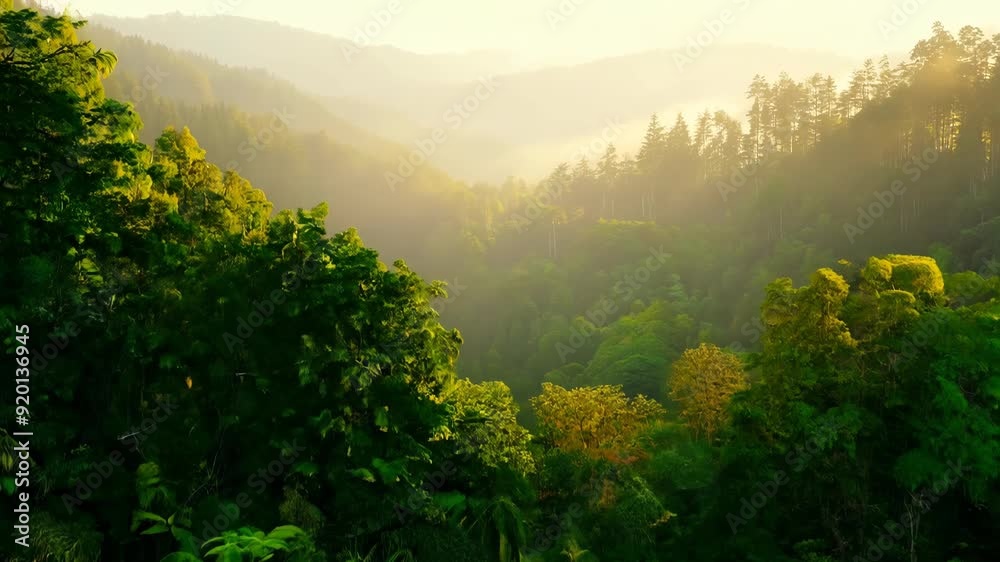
(536, 31)
(500, 280)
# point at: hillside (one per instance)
(764, 334)
(279, 137)
(518, 137)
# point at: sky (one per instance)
(546, 31)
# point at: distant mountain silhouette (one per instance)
(535, 117)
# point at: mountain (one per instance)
(216, 381)
(196, 79)
(536, 116)
(285, 141)
(317, 63)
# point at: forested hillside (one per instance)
(902, 159)
(276, 135)
(773, 338)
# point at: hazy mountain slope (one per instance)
(422, 86)
(533, 118)
(234, 114)
(196, 79)
(549, 103)
(316, 62)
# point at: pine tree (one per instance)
(653, 145)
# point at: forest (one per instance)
(763, 337)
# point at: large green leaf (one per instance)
(156, 529)
(364, 474)
(390, 471)
(139, 517)
(285, 532)
(448, 501)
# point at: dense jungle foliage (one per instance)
(769, 343)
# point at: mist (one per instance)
(521, 281)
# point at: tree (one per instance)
(486, 425)
(703, 381)
(608, 173)
(887, 80)
(789, 107)
(599, 421)
(176, 287)
(653, 145)
(702, 136)
(760, 116)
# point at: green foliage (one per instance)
(170, 264)
(915, 274)
(703, 381)
(599, 421)
(486, 425)
(253, 372)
